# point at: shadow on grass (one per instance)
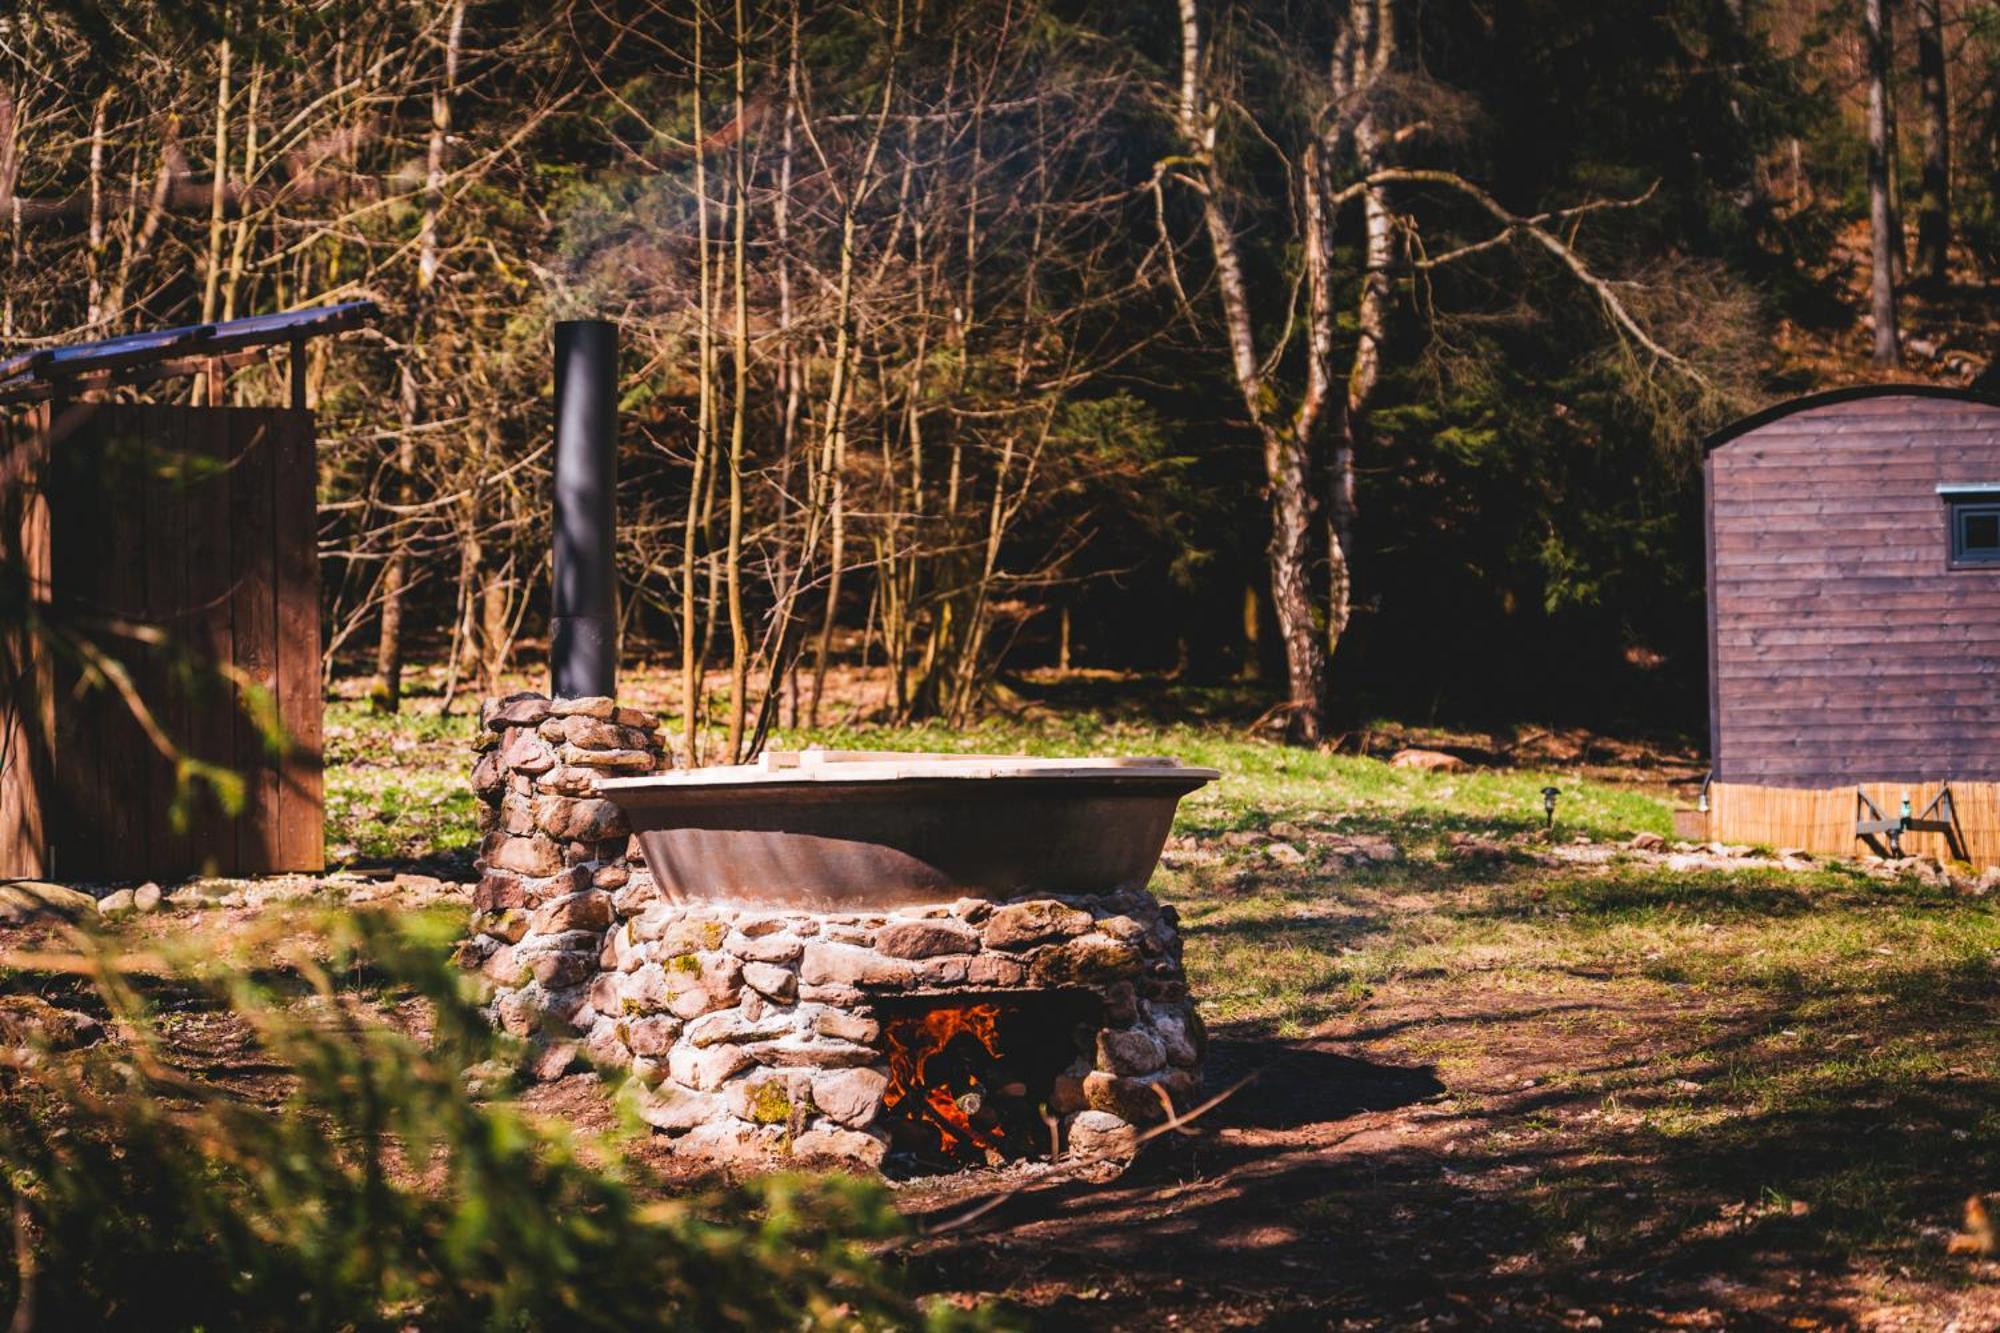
(1300, 1205)
(453, 864)
(1428, 823)
(1303, 1083)
(1757, 1150)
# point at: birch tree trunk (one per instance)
(386, 692)
(1286, 444)
(1362, 58)
(739, 636)
(691, 639)
(211, 284)
(94, 315)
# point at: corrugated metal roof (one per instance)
(31, 373)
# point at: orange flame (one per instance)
(912, 1044)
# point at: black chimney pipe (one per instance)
(583, 638)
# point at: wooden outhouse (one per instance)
(162, 561)
(1853, 543)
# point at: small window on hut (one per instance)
(1974, 522)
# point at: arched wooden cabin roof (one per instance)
(1833, 397)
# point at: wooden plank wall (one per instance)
(27, 685)
(200, 522)
(1821, 819)
(1843, 646)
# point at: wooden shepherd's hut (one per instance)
(1854, 624)
(162, 573)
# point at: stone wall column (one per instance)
(553, 856)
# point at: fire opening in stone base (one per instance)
(971, 1078)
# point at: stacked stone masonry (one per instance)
(754, 1033)
(552, 852)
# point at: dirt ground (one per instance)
(1396, 1168)
(1350, 1187)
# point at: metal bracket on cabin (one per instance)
(1937, 817)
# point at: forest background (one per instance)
(1361, 349)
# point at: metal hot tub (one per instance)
(857, 830)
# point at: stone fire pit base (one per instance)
(762, 1035)
(762, 1031)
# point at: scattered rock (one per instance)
(1647, 842)
(29, 1020)
(26, 900)
(117, 904)
(146, 898)
(1427, 761)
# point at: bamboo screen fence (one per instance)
(1821, 819)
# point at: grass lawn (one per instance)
(1498, 1081)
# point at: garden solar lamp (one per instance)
(1549, 795)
